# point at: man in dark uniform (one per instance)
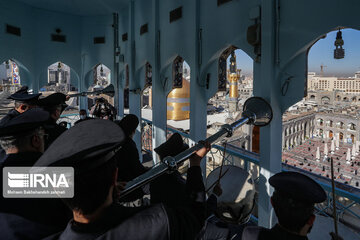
(96, 216)
(55, 105)
(128, 160)
(293, 201)
(169, 188)
(22, 138)
(23, 102)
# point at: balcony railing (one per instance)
(347, 197)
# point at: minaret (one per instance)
(233, 78)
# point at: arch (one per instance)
(101, 76)
(352, 137)
(9, 76)
(340, 125)
(325, 100)
(353, 99)
(320, 121)
(352, 126)
(178, 99)
(338, 98)
(222, 67)
(58, 78)
(312, 97)
(341, 136)
(25, 76)
(345, 99)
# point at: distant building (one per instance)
(346, 85)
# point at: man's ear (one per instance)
(22, 108)
(311, 220)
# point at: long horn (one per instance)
(109, 90)
(256, 111)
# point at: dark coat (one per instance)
(15, 227)
(277, 232)
(128, 162)
(35, 216)
(130, 167)
(54, 130)
(10, 115)
(155, 223)
(169, 189)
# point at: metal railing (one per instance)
(347, 200)
(348, 197)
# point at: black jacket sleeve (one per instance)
(186, 221)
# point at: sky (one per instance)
(322, 52)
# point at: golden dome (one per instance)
(178, 102)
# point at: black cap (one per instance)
(22, 95)
(129, 123)
(172, 147)
(25, 122)
(52, 100)
(86, 146)
(298, 186)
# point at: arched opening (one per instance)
(325, 100)
(345, 99)
(178, 99)
(331, 134)
(320, 121)
(9, 76)
(235, 85)
(59, 79)
(352, 126)
(353, 99)
(312, 97)
(100, 80)
(101, 77)
(341, 136)
(338, 98)
(352, 137)
(340, 125)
